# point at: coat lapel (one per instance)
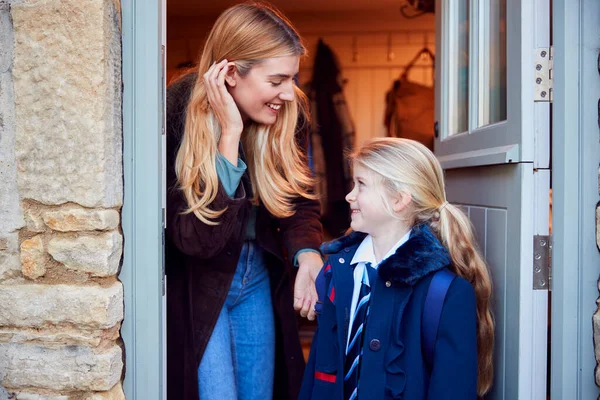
(421, 255)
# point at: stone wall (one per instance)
(61, 191)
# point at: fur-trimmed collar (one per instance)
(421, 255)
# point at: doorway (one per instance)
(376, 45)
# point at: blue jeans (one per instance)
(239, 360)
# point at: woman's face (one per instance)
(261, 94)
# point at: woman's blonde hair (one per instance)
(245, 34)
(407, 166)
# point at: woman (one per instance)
(240, 205)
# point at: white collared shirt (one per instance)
(366, 254)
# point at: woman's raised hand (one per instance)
(221, 101)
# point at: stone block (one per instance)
(78, 368)
(71, 219)
(116, 393)
(98, 255)
(37, 396)
(10, 265)
(32, 305)
(68, 129)
(33, 220)
(51, 336)
(11, 218)
(33, 257)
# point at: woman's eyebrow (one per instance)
(281, 76)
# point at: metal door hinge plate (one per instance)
(542, 259)
(544, 84)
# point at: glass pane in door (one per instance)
(492, 65)
(458, 57)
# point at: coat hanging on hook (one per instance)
(410, 106)
(333, 135)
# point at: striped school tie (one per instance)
(354, 349)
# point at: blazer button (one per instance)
(229, 253)
(375, 345)
(388, 283)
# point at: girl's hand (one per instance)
(221, 101)
(305, 292)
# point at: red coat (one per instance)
(201, 261)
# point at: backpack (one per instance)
(432, 312)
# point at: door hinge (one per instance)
(542, 262)
(543, 72)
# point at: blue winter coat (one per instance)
(392, 366)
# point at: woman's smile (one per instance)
(274, 107)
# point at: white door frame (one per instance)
(575, 160)
(142, 270)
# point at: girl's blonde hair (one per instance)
(245, 34)
(406, 166)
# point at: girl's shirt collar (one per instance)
(366, 254)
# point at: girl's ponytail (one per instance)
(456, 233)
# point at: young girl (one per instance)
(369, 343)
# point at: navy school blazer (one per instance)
(393, 366)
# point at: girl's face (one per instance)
(260, 95)
(369, 213)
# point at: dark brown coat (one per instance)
(201, 261)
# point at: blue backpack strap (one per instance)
(432, 312)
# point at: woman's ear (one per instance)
(401, 201)
(231, 75)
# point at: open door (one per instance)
(492, 138)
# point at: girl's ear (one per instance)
(231, 75)
(401, 201)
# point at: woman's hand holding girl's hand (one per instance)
(221, 101)
(305, 292)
